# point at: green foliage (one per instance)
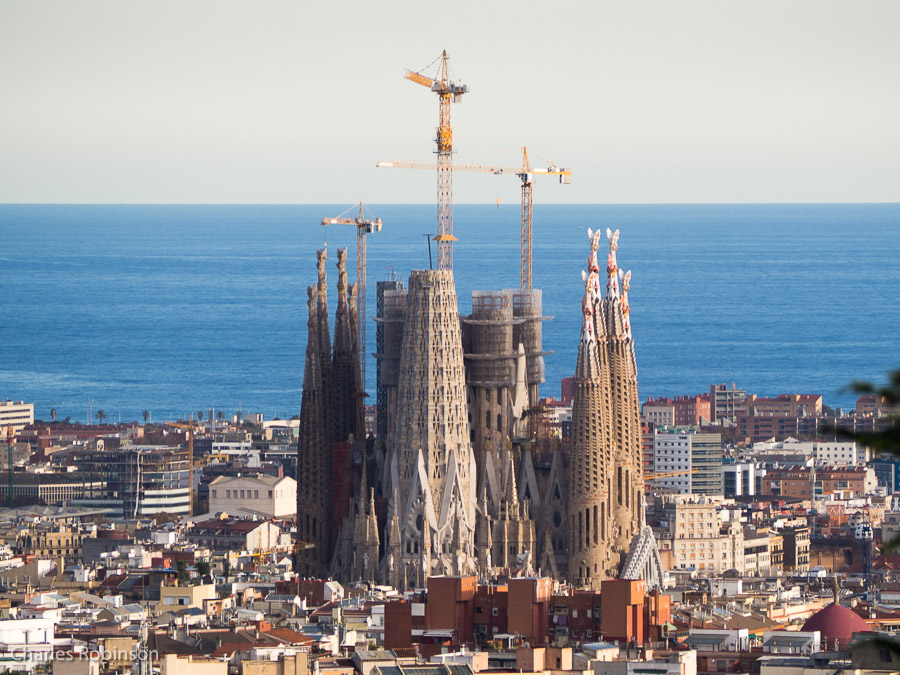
(882, 441)
(887, 440)
(182, 567)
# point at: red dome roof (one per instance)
(836, 625)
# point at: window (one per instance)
(227, 494)
(242, 494)
(213, 494)
(270, 494)
(256, 494)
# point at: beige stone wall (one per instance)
(77, 666)
(172, 664)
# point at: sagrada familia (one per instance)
(449, 484)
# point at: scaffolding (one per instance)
(381, 387)
(391, 318)
(527, 306)
(490, 359)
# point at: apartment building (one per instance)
(688, 462)
(698, 539)
(17, 414)
(259, 494)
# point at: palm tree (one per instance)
(199, 415)
(53, 414)
(101, 415)
(220, 415)
(146, 414)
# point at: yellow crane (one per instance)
(447, 91)
(668, 474)
(364, 226)
(526, 174)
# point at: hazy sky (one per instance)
(290, 101)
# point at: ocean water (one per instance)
(175, 309)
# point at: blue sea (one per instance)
(176, 309)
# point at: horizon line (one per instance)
(509, 204)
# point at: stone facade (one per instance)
(452, 478)
(430, 462)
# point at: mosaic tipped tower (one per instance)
(605, 467)
(431, 465)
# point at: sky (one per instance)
(285, 101)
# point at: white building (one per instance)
(672, 455)
(757, 555)
(254, 495)
(741, 478)
(26, 643)
(825, 453)
(836, 453)
(16, 413)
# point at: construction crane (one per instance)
(526, 174)
(668, 474)
(447, 91)
(364, 226)
(190, 449)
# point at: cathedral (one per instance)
(450, 485)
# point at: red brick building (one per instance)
(689, 410)
(787, 483)
(630, 614)
(491, 611)
(451, 606)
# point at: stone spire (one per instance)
(432, 463)
(314, 453)
(425, 565)
(483, 539)
(345, 358)
(392, 560)
(605, 466)
(625, 407)
(512, 493)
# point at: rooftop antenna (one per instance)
(430, 263)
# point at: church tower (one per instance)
(314, 443)
(605, 468)
(431, 465)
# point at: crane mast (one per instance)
(527, 204)
(526, 174)
(448, 92)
